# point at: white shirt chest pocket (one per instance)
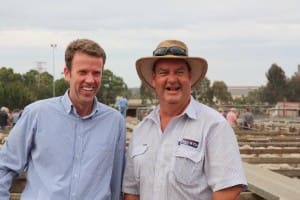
(188, 165)
(139, 157)
(139, 150)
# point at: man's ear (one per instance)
(67, 74)
(153, 80)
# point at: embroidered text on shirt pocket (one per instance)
(188, 165)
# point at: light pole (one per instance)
(53, 63)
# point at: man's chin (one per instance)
(172, 100)
(87, 99)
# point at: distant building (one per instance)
(285, 109)
(239, 91)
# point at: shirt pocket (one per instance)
(139, 150)
(188, 165)
(138, 156)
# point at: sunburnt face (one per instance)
(172, 81)
(84, 79)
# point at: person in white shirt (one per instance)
(182, 149)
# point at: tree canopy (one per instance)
(203, 92)
(17, 90)
(221, 93)
(146, 94)
(111, 87)
(276, 88)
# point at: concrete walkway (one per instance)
(271, 185)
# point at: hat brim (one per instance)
(144, 68)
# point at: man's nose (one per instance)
(89, 78)
(172, 77)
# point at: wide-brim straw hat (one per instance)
(144, 65)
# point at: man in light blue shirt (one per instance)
(72, 146)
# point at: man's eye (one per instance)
(97, 73)
(180, 72)
(81, 72)
(162, 73)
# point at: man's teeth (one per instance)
(88, 88)
(172, 88)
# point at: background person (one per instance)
(232, 117)
(248, 119)
(4, 118)
(71, 146)
(122, 105)
(182, 149)
(15, 116)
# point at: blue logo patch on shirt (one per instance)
(189, 142)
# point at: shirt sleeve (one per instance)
(14, 153)
(223, 164)
(130, 182)
(118, 165)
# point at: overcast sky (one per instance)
(239, 39)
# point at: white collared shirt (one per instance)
(196, 155)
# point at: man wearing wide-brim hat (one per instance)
(182, 149)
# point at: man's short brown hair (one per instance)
(84, 46)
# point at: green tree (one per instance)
(7, 75)
(294, 88)
(276, 88)
(40, 84)
(13, 92)
(45, 88)
(32, 79)
(146, 94)
(16, 90)
(220, 92)
(203, 92)
(111, 87)
(254, 97)
(61, 85)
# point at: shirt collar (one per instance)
(69, 108)
(191, 110)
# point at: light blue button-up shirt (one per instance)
(66, 156)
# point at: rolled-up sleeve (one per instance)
(130, 183)
(223, 163)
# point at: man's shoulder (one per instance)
(44, 106)
(204, 111)
(105, 109)
(43, 103)
(145, 124)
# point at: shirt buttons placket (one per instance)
(77, 156)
